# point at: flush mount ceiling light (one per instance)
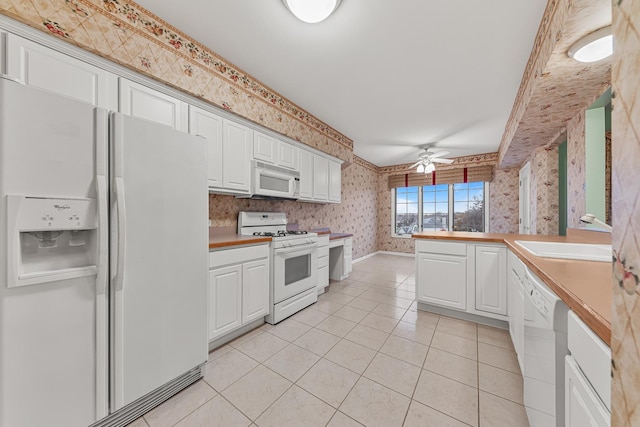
(593, 47)
(426, 160)
(312, 11)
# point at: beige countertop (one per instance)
(336, 236)
(217, 240)
(332, 236)
(585, 286)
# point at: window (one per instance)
(435, 207)
(406, 203)
(468, 205)
(450, 207)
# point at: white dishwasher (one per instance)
(544, 349)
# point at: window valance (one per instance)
(447, 176)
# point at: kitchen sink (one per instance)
(579, 251)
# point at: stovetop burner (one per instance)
(279, 233)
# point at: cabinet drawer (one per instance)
(323, 251)
(323, 261)
(592, 355)
(439, 247)
(323, 240)
(237, 255)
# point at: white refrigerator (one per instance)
(103, 261)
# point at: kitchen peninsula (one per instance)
(585, 286)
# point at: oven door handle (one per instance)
(294, 249)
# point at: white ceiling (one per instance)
(391, 75)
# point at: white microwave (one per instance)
(271, 181)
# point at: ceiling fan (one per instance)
(427, 159)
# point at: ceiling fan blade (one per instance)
(415, 164)
(439, 154)
(437, 160)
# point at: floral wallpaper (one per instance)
(576, 170)
(503, 201)
(356, 214)
(126, 33)
(544, 192)
(554, 87)
(625, 333)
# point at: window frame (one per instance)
(451, 210)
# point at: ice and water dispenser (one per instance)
(50, 239)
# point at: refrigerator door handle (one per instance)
(103, 237)
(122, 232)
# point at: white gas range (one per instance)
(294, 261)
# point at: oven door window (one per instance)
(296, 269)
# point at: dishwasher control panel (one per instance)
(540, 302)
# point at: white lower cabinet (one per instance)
(587, 377)
(225, 300)
(340, 258)
(442, 278)
(491, 279)
(238, 288)
(323, 263)
(255, 290)
(463, 276)
(583, 408)
(348, 255)
(515, 309)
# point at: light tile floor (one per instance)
(362, 355)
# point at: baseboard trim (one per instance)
(362, 258)
(464, 316)
(219, 342)
(410, 255)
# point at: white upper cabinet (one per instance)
(208, 125)
(320, 178)
(140, 101)
(271, 150)
(335, 182)
(45, 68)
(306, 175)
(237, 146)
(229, 151)
(265, 148)
(287, 155)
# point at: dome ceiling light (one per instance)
(312, 11)
(593, 47)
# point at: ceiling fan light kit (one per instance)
(426, 161)
(312, 11)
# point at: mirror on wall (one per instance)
(594, 194)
